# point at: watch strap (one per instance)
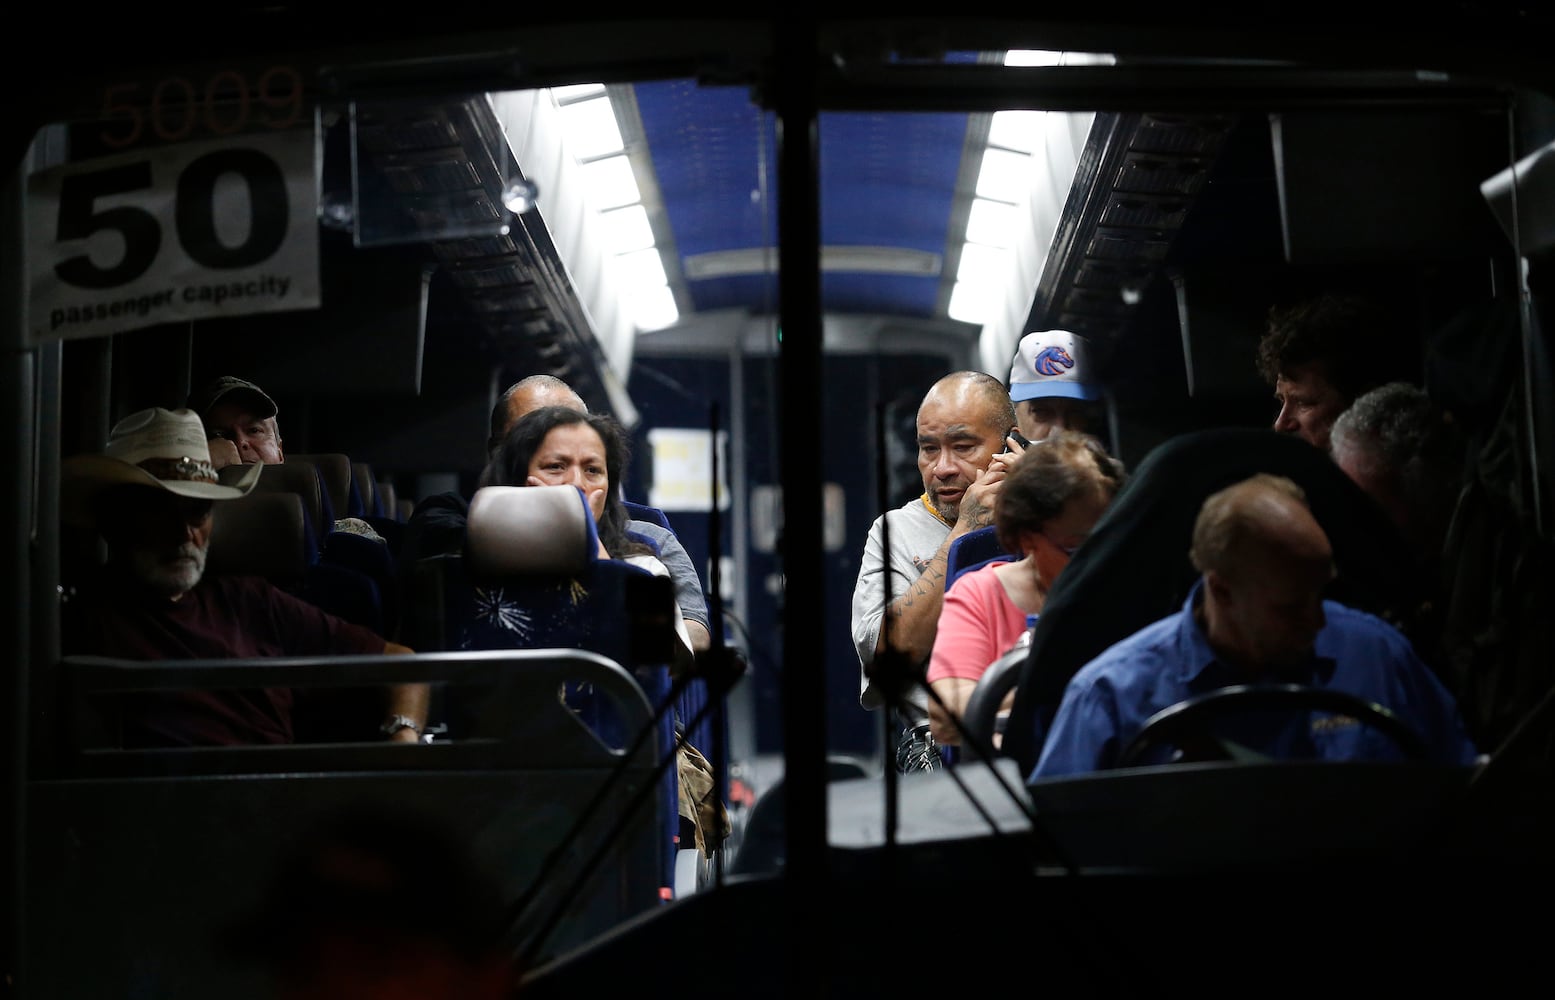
(395, 723)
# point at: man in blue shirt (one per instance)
(1256, 615)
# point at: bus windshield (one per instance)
(703, 282)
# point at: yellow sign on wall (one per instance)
(683, 469)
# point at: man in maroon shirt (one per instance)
(151, 496)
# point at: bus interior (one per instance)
(385, 223)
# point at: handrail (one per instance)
(111, 675)
(549, 733)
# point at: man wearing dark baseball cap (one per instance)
(236, 410)
(239, 418)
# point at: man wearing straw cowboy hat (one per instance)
(151, 495)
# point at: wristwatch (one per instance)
(395, 723)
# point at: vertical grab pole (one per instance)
(805, 598)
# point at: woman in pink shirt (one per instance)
(1051, 499)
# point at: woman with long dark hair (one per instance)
(560, 446)
(556, 446)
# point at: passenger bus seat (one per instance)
(529, 577)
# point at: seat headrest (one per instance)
(299, 478)
(535, 530)
(366, 485)
(334, 469)
(262, 534)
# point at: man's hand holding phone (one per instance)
(1015, 442)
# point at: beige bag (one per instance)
(698, 799)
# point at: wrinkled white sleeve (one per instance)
(655, 566)
(869, 600)
(868, 609)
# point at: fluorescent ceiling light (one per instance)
(1033, 57)
(641, 269)
(979, 283)
(577, 92)
(611, 182)
(1003, 176)
(982, 265)
(968, 303)
(1048, 57)
(654, 308)
(1018, 130)
(991, 223)
(591, 128)
(626, 229)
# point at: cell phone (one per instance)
(1020, 439)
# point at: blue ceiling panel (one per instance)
(872, 165)
(757, 293)
(714, 156)
(708, 146)
(883, 294)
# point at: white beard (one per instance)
(169, 572)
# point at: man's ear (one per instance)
(275, 431)
(1217, 588)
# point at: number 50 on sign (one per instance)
(226, 227)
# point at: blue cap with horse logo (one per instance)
(1052, 363)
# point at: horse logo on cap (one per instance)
(1053, 360)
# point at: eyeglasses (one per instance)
(140, 503)
(1067, 550)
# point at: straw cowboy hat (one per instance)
(163, 449)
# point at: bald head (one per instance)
(1262, 515)
(961, 425)
(1266, 562)
(976, 397)
(525, 396)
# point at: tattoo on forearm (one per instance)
(925, 586)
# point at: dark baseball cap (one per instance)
(230, 387)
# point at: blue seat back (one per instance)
(302, 479)
(261, 534)
(372, 559)
(642, 512)
(529, 577)
(366, 486)
(268, 535)
(973, 550)
(712, 730)
(334, 470)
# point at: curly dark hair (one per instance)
(1053, 471)
(1329, 329)
(509, 466)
